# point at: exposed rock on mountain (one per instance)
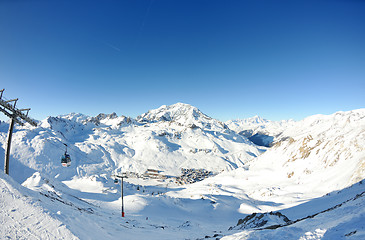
(259, 220)
(323, 148)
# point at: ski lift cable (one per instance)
(70, 147)
(84, 155)
(77, 152)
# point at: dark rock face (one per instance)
(270, 220)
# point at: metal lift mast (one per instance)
(16, 116)
(122, 176)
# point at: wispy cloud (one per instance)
(112, 46)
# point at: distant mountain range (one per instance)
(181, 136)
(260, 131)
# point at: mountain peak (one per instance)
(180, 112)
(257, 120)
(102, 116)
(183, 114)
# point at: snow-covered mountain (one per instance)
(308, 185)
(168, 139)
(322, 154)
(182, 114)
(326, 149)
(259, 130)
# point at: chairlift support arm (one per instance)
(15, 115)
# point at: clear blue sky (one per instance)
(230, 58)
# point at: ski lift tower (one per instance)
(16, 116)
(121, 176)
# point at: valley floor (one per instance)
(87, 209)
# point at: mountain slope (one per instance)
(326, 149)
(168, 139)
(323, 154)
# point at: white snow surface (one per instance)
(313, 176)
(23, 217)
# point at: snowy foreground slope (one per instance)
(311, 179)
(22, 217)
(338, 215)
